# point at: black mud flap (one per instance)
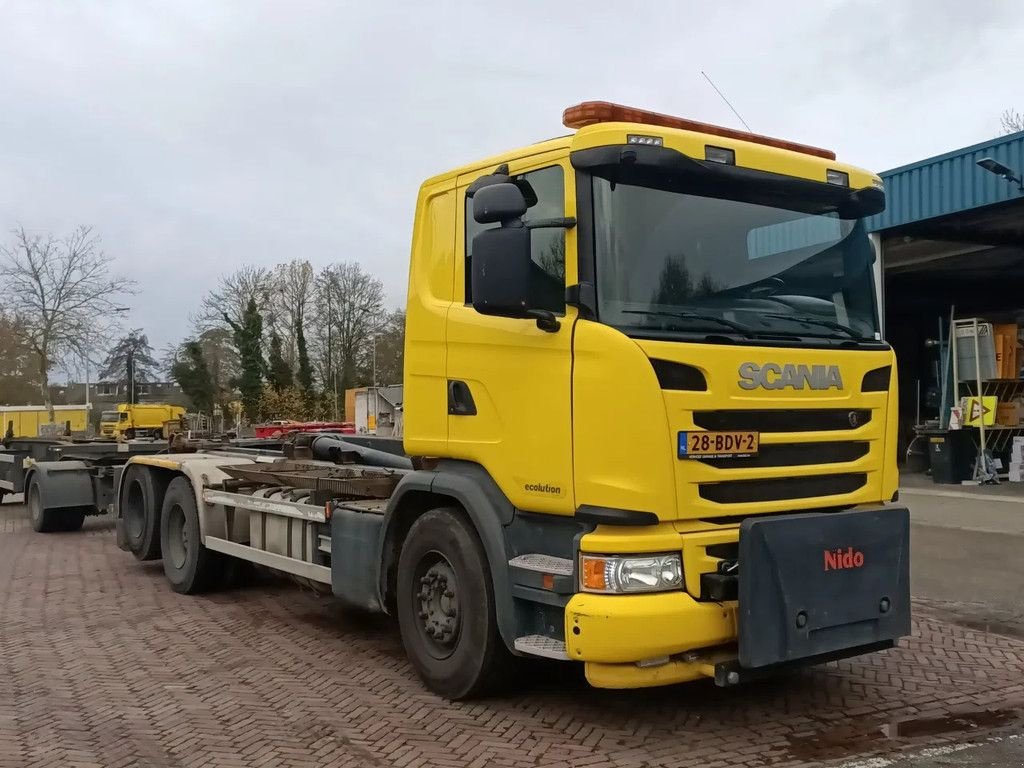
(817, 585)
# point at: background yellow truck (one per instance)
(139, 420)
(32, 420)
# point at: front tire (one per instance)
(446, 608)
(190, 567)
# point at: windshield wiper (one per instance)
(738, 327)
(853, 334)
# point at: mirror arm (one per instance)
(567, 222)
(582, 297)
(546, 320)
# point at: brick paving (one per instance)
(102, 665)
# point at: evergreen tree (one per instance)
(305, 372)
(193, 376)
(279, 373)
(130, 362)
(249, 342)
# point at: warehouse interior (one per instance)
(952, 244)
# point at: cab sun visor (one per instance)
(668, 169)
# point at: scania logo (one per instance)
(775, 376)
(840, 559)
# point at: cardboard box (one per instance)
(1008, 414)
(1007, 362)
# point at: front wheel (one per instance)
(446, 609)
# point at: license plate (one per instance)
(707, 445)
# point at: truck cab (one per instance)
(660, 341)
(129, 421)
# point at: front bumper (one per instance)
(800, 602)
(632, 628)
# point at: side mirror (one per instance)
(503, 203)
(501, 272)
(501, 257)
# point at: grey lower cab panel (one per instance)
(816, 584)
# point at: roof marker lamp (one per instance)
(1004, 172)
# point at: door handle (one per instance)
(460, 399)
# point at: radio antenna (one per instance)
(738, 115)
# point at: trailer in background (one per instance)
(34, 420)
(65, 481)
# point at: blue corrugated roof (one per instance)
(949, 183)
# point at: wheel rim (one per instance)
(178, 538)
(35, 504)
(436, 597)
(134, 511)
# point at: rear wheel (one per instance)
(446, 609)
(189, 566)
(73, 518)
(43, 520)
(140, 512)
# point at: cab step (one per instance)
(556, 566)
(539, 645)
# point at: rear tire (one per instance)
(140, 512)
(190, 567)
(72, 519)
(446, 608)
(43, 520)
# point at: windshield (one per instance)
(108, 416)
(671, 262)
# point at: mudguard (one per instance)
(62, 484)
(488, 509)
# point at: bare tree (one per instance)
(291, 294)
(348, 309)
(1012, 121)
(64, 294)
(231, 297)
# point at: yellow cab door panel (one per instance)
(517, 375)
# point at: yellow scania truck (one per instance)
(650, 424)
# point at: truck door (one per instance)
(509, 381)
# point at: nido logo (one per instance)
(838, 559)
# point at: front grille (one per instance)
(795, 455)
(782, 488)
(797, 420)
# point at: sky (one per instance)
(196, 137)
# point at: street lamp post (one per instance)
(376, 402)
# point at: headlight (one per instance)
(618, 574)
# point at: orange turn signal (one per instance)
(593, 573)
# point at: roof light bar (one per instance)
(593, 112)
